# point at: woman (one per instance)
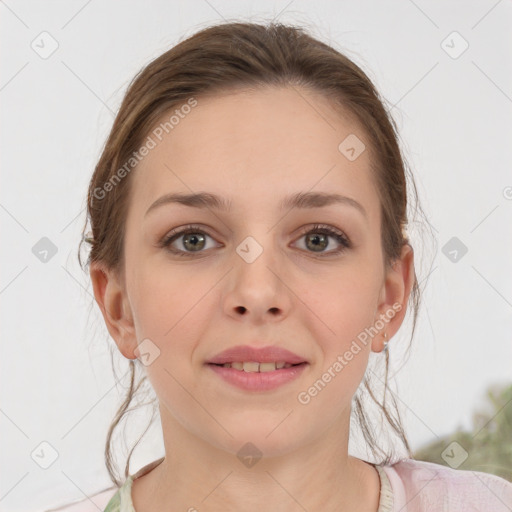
(249, 254)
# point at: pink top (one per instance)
(406, 486)
(420, 486)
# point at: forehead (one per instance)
(268, 143)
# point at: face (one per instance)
(305, 277)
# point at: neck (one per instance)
(194, 474)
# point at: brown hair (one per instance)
(245, 55)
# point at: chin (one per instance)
(259, 438)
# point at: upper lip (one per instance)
(245, 353)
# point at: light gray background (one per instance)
(454, 118)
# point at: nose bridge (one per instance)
(256, 288)
(255, 257)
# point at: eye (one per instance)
(192, 239)
(317, 239)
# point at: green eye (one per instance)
(194, 240)
(317, 239)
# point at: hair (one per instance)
(231, 56)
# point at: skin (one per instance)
(254, 147)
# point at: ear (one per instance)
(394, 296)
(110, 294)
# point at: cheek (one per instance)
(341, 307)
(166, 308)
(167, 300)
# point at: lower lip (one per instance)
(258, 381)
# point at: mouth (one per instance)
(247, 358)
(257, 367)
(254, 376)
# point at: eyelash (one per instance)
(323, 229)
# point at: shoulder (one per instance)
(97, 502)
(424, 485)
(113, 499)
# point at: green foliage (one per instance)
(488, 445)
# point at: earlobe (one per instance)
(113, 303)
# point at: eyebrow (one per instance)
(298, 200)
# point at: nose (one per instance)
(257, 290)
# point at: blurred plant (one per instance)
(489, 445)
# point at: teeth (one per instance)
(266, 367)
(253, 366)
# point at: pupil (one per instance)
(315, 239)
(194, 237)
